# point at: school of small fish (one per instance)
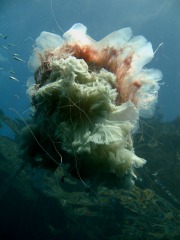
(15, 56)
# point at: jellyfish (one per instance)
(87, 98)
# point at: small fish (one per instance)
(13, 78)
(16, 54)
(4, 47)
(1, 68)
(12, 72)
(155, 174)
(11, 45)
(3, 36)
(18, 59)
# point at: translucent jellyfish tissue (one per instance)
(87, 97)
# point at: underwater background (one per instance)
(36, 204)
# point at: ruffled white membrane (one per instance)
(86, 119)
(45, 42)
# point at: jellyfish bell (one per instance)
(77, 34)
(45, 42)
(87, 99)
